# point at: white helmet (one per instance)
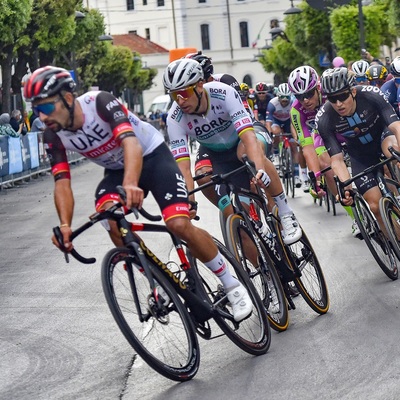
(395, 67)
(302, 79)
(182, 73)
(283, 90)
(360, 67)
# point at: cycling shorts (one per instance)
(160, 176)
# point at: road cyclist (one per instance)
(263, 94)
(391, 87)
(304, 83)
(278, 123)
(360, 68)
(214, 113)
(132, 153)
(369, 125)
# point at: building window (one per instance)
(247, 79)
(160, 3)
(145, 2)
(130, 5)
(147, 33)
(205, 36)
(202, 1)
(244, 34)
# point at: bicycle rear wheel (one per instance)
(162, 334)
(253, 334)
(378, 244)
(288, 173)
(263, 275)
(311, 282)
(391, 218)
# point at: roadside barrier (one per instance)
(24, 157)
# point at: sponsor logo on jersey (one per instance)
(88, 98)
(112, 104)
(118, 114)
(237, 124)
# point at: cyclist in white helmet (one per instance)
(278, 121)
(304, 83)
(214, 114)
(391, 88)
(360, 68)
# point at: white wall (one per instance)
(189, 15)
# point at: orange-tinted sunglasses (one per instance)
(184, 94)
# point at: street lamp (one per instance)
(292, 9)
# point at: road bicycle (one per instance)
(160, 306)
(327, 198)
(285, 163)
(252, 222)
(384, 247)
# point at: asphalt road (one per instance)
(58, 339)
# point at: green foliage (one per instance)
(331, 33)
(14, 17)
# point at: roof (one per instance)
(138, 44)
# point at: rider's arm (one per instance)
(252, 147)
(395, 128)
(133, 162)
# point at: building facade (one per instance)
(231, 32)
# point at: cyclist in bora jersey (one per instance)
(132, 153)
(303, 82)
(369, 125)
(214, 113)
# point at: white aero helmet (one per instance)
(302, 79)
(283, 90)
(360, 67)
(395, 67)
(182, 73)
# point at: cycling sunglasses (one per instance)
(45, 108)
(306, 95)
(183, 94)
(338, 97)
(377, 82)
(361, 79)
(287, 98)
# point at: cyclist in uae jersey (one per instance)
(368, 123)
(214, 113)
(133, 154)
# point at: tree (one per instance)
(14, 17)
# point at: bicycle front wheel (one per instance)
(253, 334)
(263, 275)
(378, 244)
(288, 172)
(303, 260)
(391, 219)
(162, 334)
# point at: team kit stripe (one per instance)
(176, 210)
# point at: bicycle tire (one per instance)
(253, 334)
(391, 216)
(311, 284)
(265, 279)
(166, 338)
(376, 241)
(289, 172)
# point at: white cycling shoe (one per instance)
(291, 229)
(240, 302)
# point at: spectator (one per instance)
(5, 128)
(18, 123)
(338, 62)
(37, 125)
(26, 121)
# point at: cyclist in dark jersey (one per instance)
(133, 154)
(367, 122)
(262, 97)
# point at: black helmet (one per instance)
(48, 81)
(204, 61)
(376, 71)
(337, 79)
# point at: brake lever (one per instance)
(60, 240)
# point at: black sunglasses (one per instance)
(339, 97)
(306, 95)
